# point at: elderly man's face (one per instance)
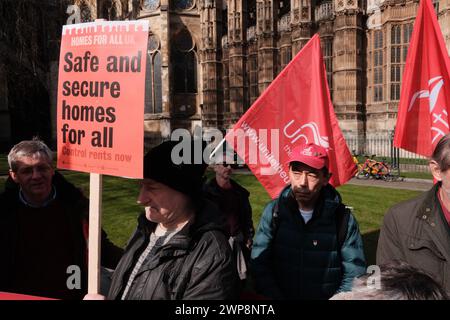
(224, 169)
(34, 175)
(162, 204)
(306, 182)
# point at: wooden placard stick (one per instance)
(95, 225)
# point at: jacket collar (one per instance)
(65, 192)
(206, 219)
(436, 228)
(430, 209)
(185, 239)
(50, 199)
(328, 201)
(63, 188)
(212, 186)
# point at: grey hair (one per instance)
(398, 281)
(28, 148)
(363, 291)
(441, 153)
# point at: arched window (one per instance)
(184, 4)
(153, 81)
(85, 12)
(253, 76)
(327, 49)
(436, 6)
(184, 62)
(112, 10)
(251, 13)
(284, 7)
(396, 61)
(157, 81)
(378, 66)
(395, 34)
(150, 5)
(407, 32)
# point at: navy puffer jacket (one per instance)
(303, 261)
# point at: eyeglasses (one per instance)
(232, 165)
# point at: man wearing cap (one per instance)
(178, 251)
(308, 244)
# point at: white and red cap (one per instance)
(310, 154)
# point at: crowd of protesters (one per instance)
(195, 238)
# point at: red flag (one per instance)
(295, 109)
(18, 296)
(425, 96)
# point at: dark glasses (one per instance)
(227, 164)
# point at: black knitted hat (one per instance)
(186, 177)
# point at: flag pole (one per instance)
(216, 148)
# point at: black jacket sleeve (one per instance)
(111, 253)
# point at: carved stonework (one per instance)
(305, 13)
(296, 16)
(284, 24)
(324, 11)
(236, 51)
(251, 33)
(225, 41)
(240, 46)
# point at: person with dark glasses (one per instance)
(233, 202)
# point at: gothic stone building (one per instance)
(209, 60)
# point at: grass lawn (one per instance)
(4, 168)
(120, 209)
(369, 206)
(417, 175)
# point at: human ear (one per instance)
(13, 176)
(435, 170)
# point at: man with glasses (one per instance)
(308, 245)
(44, 228)
(233, 202)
